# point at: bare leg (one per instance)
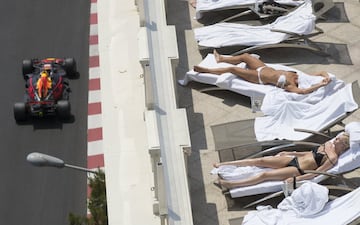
(217, 71)
(268, 161)
(273, 175)
(218, 57)
(252, 62)
(246, 74)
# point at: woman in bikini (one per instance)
(257, 72)
(286, 165)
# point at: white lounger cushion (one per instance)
(300, 21)
(208, 5)
(348, 161)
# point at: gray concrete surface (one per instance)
(341, 40)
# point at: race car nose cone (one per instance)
(40, 159)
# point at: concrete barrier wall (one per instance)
(167, 127)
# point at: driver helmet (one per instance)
(47, 67)
(44, 73)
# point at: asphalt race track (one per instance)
(32, 195)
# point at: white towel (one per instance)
(340, 211)
(300, 21)
(353, 129)
(229, 172)
(307, 200)
(280, 123)
(276, 97)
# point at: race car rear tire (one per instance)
(27, 67)
(20, 112)
(63, 109)
(70, 67)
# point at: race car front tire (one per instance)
(27, 67)
(63, 109)
(20, 112)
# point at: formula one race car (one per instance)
(47, 89)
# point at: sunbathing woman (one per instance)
(287, 165)
(257, 72)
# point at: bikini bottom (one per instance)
(281, 82)
(259, 74)
(294, 162)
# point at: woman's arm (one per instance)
(294, 153)
(321, 73)
(295, 89)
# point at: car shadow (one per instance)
(49, 122)
(74, 77)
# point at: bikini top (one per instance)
(318, 157)
(281, 81)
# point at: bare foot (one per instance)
(216, 165)
(223, 189)
(200, 69)
(225, 184)
(193, 3)
(217, 56)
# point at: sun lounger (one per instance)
(320, 7)
(256, 92)
(256, 7)
(341, 211)
(287, 125)
(291, 30)
(248, 6)
(348, 161)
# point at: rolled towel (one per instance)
(307, 200)
(353, 129)
(229, 172)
